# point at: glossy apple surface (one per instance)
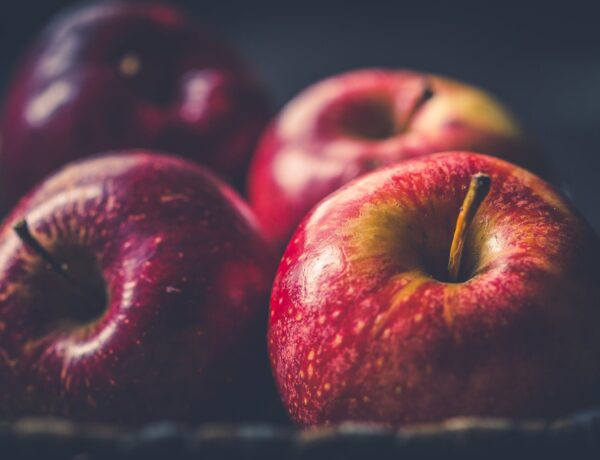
(116, 75)
(178, 330)
(365, 326)
(349, 124)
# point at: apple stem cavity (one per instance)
(130, 64)
(425, 95)
(22, 230)
(479, 187)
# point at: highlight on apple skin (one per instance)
(366, 325)
(155, 306)
(119, 75)
(350, 124)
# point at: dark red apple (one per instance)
(135, 289)
(368, 323)
(349, 124)
(116, 75)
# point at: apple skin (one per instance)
(364, 328)
(120, 75)
(350, 124)
(187, 274)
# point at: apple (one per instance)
(349, 124)
(134, 287)
(120, 75)
(370, 322)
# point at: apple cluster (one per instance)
(422, 274)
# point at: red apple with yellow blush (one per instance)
(455, 284)
(350, 124)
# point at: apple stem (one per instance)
(478, 190)
(425, 95)
(21, 228)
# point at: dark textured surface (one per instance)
(577, 437)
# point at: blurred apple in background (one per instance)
(350, 124)
(369, 322)
(115, 75)
(134, 287)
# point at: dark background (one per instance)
(542, 60)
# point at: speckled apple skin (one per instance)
(317, 143)
(187, 276)
(75, 94)
(360, 330)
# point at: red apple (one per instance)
(115, 75)
(136, 289)
(367, 324)
(350, 124)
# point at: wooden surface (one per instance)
(574, 438)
